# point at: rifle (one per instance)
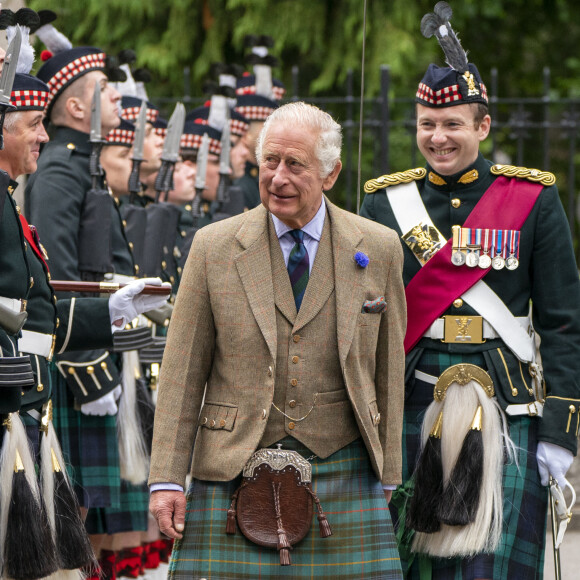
(223, 191)
(95, 252)
(202, 153)
(135, 216)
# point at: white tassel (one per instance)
(484, 533)
(26, 56)
(133, 455)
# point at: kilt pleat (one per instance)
(520, 555)
(362, 545)
(89, 446)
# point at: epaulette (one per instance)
(544, 177)
(373, 185)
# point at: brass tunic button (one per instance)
(71, 146)
(104, 365)
(291, 425)
(292, 404)
(136, 269)
(40, 387)
(295, 359)
(188, 207)
(183, 233)
(31, 281)
(131, 246)
(296, 338)
(90, 370)
(294, 382)
(71, 370)
(164, 264)
(124, 223)
(458, 303)
(455, 202)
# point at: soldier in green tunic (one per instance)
(470, 335)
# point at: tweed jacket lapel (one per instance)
(255, 270)
(283, 296)
(350, 279)
(321, 281)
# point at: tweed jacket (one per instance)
(222, 345)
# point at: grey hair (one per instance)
(329, 142)
(10, 120)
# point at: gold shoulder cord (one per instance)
(373, 185)
(544, 177)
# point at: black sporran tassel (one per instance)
(428, 476)
(29, 548)
(460, 500)
(72, 541)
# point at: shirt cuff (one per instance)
(389, 487)
(165, 487)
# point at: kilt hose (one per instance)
(362, 544)
(520, 555)
(89, 446)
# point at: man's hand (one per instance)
(388, 494)
(555, 461)
(168, 508)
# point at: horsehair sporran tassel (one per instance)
(133, 456)
(72, 542)
(27, 542)
(460, 499)
(483, 534)
(428, 476)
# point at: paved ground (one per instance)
(569, 556)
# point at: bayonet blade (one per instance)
(201, 169)
(95, 135)
(140, 134)
(9, 69)
(173, 138)
(225, 152)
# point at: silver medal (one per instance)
(497, 263)
(458, 258)
(484, 261)
(512, 263)
(472, 259)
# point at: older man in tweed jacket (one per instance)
(256, 356)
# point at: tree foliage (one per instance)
(324, 38)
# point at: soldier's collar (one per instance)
(465, 178)
(74, 140)
(12, 186)
(251, 169)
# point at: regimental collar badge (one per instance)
(436, 179)
(469, 177)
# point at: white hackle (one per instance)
(54, 40)
(26, 56)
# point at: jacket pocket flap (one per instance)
(218, 416)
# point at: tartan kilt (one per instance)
(520, 555)
(89, 446)
(362, 544)
(131, 515)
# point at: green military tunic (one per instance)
(249, 185)
(547, 276)
(55, 196)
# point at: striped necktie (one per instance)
(298, 267)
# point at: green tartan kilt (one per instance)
(362, 544)
(520, 555)
(129, 516)
(89, 446)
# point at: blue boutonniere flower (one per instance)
(361, 259)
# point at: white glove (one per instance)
(555, 461)
(106, 405)
(128, 302)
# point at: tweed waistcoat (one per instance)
(309, 386)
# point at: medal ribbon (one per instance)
(486, 242)
(434, 288)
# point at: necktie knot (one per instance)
(298, 236)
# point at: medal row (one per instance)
(486, 247)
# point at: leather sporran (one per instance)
(273, 505)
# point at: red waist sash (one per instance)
(506, 204)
